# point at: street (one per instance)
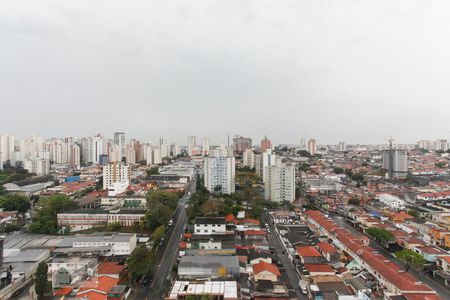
(275, 242)
(424, 277)
(167, 253)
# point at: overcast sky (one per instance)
(356, 71)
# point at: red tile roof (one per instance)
(263, 266)
(322, 268)
(63, 291)
(308, 251)
(254, 232)
(109, 268)
(326, 247)
(249, 221)
(101, 284)
(229, 218)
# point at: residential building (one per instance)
(441, 145)
(312, 146)
(119, 140)
(37, 165)
(392, 201)
(209, 226)
(248, 158)
(395, 161)
(116, 178)
(265, 144)
(219, 174)
(280, 183)
(205, 146)
(240, 144)
(6, 147)
(266, 271)
(192, 144)
(268, 159)
(342, 146)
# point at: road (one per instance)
(424, 277)
(275, 242)
(167, 253)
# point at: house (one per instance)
(225, 290)
(309, 255)
(330, 253)
(209, 225)
(266, 289)
(319, 269)
(266, 271)
(400, 217)
(97, 288)
(429, 253)
(112, 269)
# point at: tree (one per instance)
(152, 171)
(139, 263)
(303, 153)
(381, 235)
(414, 213)
(169, 199)
(42, 286)
(338, 170)
(13, 202)
(354, 201)
(411, 259)
(158, 234)
(45, 220)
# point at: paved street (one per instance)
(167, 253)
(275, 242)
(425, 278)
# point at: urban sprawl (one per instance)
(103, 218)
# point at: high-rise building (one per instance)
(312, 146)
(119, 140)
(205, 146)
(116, 178)
(248, 158)
(219, 174)
(395, 161)
(268, 159)
(425, 144)
(39, 166)
(240, 144)
(265, 144)
(280, 183)
(75, 156)
(342, 146)
(441, 145)
(6, 147)
(303, 144)
(192, 142)
(157, 158)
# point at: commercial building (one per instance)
(391, 201)
(395, 161)
(225, 290)
(108, 243)
(219, 174)
(116, 178)
(280, 183)
(209, 226)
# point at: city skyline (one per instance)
(328, 70)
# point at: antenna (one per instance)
(391, 157)
(228, 141)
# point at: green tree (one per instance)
(158, 234)
(303, 153)
(169, 199)
(42, 286)
(45, 220)
(411, 259)
(139, 263)
(338, 170)
(414, 213)
(115, 226)
(13, 202)
(381, 235)
(152, 171)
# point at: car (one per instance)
(170, 222)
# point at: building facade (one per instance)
(219, 174)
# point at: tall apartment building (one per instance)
(205, 146)
(240, 144)
(441, 145)
(6, 147)
(39, 166)
(280, 183)
(312, 146)
(395, 161)
(116, 178)
(342, 146)
(268, 159)
(119, 140)
(265, 144)
(425, 144)
(220, 173)
(192, 143)
(248, 158)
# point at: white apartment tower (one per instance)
(39, 166)
(6, 147)
(205, 146)
(116, 178)
(248, 158)
(396, 162)
(220, 173)
(268, 159)
(280, 183)
(119, 140)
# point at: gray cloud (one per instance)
(336, 70)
